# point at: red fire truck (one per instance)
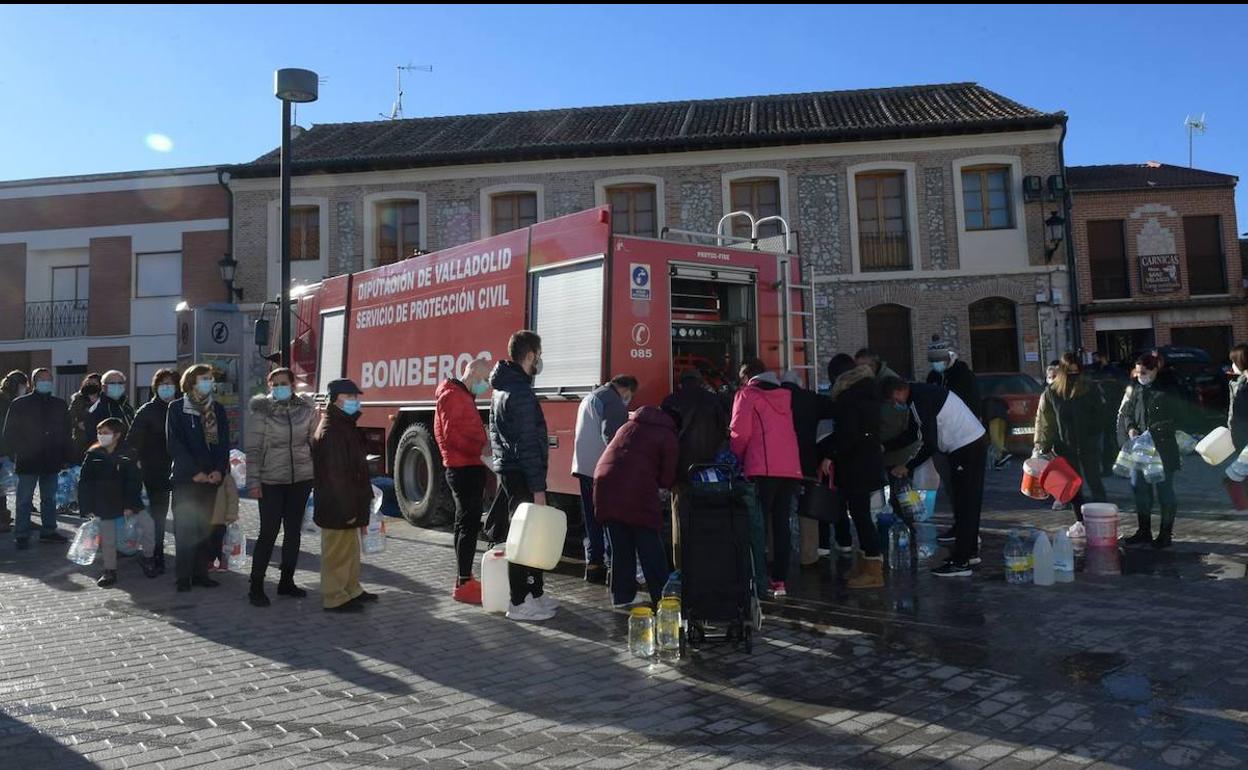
(603, 304)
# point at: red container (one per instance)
(1060, 480)
(1239, 496)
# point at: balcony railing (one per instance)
(884, 251)
(63, 318)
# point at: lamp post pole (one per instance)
(289, 85)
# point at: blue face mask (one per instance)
(166, 391)
(939, 367)
(351, 405)
(204, 386)
(901, 407)
(479, 387)
(281, 392)
(43, 386)
(115, 390)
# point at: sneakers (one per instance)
(975, 561)
(845, 550)
(1058, 505)
(954, 569)
(528, 611)
(633, 602)
(1077, 532)
(351, 606)
(544, 602)
(468, 592)
(108, 579)
(148, 565)
(1141, 537)
(778, 589)
(257, 597)
(52, 537)
(822, 552)
(288, 588)
(947, 537)
(596, 574)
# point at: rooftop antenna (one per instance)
(294, 107)
(396, 110)
(1194, 126)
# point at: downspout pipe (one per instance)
(1076, 326)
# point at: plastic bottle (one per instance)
(669, 629)
(1042, 561)
(1017, 559)
(1238, 470)
(86, 543)
(375, 533)
(235, 547)
(900, 547)
(1063, 558)
(641, 632)
(926, 544)
(308, 524)
(672, 586)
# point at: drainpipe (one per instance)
(223, 179)
(1076, 326)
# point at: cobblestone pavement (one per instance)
(1142, 670)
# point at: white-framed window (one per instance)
(636, 203)
(763, 192)
(395, 226)
(71, 283)
(989, 212)
(333, 332)
(509, 207)
(986, 198)
(158, 274)
(309, 240)
(567, 315)
(883, 217)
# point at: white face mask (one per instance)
(1235, 368)
(106, 439)
(1146, 378)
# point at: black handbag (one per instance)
(817, 502)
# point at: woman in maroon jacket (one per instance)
(639, 461)
(460, 433)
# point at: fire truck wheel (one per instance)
(419, 484)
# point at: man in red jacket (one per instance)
(460, 433)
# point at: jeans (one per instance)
(192, 518)
(467, 486)
(1144, 500)
(775, 500)
(158, 506)
(636, 542)
(966, 493)
(595, 538)
(524, 580)
(26, 483)
(281, 508)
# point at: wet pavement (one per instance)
(1146, 669)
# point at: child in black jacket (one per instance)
(109, 489)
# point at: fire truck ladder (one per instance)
(803, 338)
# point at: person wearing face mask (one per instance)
(952, 373)
(113, 403)
(145, 443)
(342, 499)
(1237, 412)
(36, 435)
(858, 465)
(460, 433)
(1068, 424)
(1150, 404)
(278, 444)
(520, 448)
(197, 433)
(108, 489)
(600, 415)
(13, 387)
(88, 394)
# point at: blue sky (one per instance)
(83, 88)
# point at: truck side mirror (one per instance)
(262, 332)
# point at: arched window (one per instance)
(888, 333)
(994, 335)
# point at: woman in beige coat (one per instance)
(280, 426)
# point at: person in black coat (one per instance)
(113, 403)
(702, 435)
(36, 434)
(146, 444)
(857, 457)
(518, 440)
(952, 373)
(14, 386)
(809, 408)
(108, 489)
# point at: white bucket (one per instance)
(535, 538)
(1100, 521)
(495, 587)
(1217, 446)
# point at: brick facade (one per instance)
(1152, 223)
(201, 277)
(101, 359)
(106, 209)
(12, 291)
(111, 259)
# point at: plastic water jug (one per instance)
(1186, 442)
(495, 588)
(128, 535)
(536, 536)
(641, 632)
(86, 543)
(1042, 568)
(235, 547)
(1033, 469)
(238, 469)
(1238, 471)
(900, 547)
(374, 541)
(1216, 446)
(925, 541)
(929, 505)
(1017, 559)
(909, 501)
(1100, 521)
(309, 525)
(1063, 558)
(1125, 463)
(669, 629)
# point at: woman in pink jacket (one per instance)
(763, 437)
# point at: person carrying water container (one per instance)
(1068, 424)
(1152, 405)
(108, 489)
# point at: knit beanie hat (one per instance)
(938, 350)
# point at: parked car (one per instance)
(1016, 395)
(1203, 384)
